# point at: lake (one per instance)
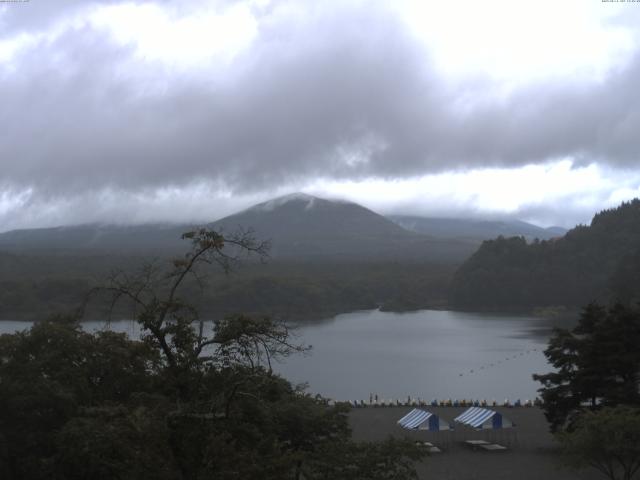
(427, 354)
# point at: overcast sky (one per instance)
(190, 110)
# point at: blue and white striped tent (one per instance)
(418, 419)
(483, 418)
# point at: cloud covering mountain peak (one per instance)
(132, 100)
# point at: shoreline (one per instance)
(542, 312)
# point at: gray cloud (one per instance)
(36, 15)
(349, 96)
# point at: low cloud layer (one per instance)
(339, 93)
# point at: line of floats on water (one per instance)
(375, 401)
(498, 362)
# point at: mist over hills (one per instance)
(303, 225)
(327, 257)
(96, 238)
(473, 229)
(299, 226)
(333, 256)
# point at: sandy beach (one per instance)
(531, 450)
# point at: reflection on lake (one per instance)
(424, 354)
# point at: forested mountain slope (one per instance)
(302, 226)
(327, 257)
(475, 229)
(298, 226)
(92, 239)
(596, 262)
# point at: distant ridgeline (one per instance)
(597, 262)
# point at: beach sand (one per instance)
(531, 453)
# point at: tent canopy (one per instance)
(483, 418)
(418, 419)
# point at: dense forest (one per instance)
(33, 286)
(181, 402)
(101, 406)
(325, 257)
(599, 262)
(591, 398)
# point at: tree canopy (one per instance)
(590, 263)
(597, 364)
(180, 403)
(607, 440)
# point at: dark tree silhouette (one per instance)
(180, 404)
(607, 440)
(597, 364)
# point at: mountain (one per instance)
(96, 238)
(473, 229)
(299, 226)
(327, 257)
(304, 226)
(599, 262)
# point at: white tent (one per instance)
(483, 418)
(418, 419)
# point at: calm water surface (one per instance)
(427, 354)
